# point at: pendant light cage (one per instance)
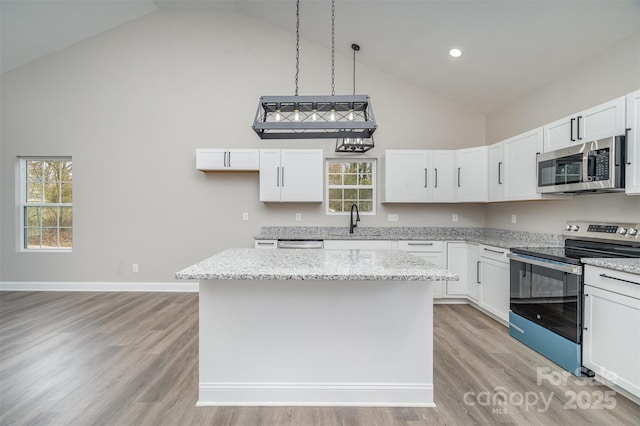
(315, 117)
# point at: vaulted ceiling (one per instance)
(510, 47)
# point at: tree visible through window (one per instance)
(350, 182)
(47, 197)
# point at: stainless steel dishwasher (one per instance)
(300, 244)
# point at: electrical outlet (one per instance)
(454, 217)
(392, 218)
(514, 218)
(298, 217)
(135, 268)
(245, 216)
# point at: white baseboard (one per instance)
(189, 286)
(317, 394)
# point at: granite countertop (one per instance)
(624, 265)
(493, 237)
(327, 265)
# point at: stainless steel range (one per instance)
(546, 287)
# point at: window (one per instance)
(351, 182)
(46, 203)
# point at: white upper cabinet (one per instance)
(607, 119)
(418, 176)
(291, 175)
(520, 166)
(496, 172)
(632, 181)
(471, 174)
(443, 183)
(221, 159)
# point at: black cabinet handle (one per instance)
(458, 177)
(425, 178)
(436, 185)
(224, 161)
(500, 173)
(478, 272)
(282, 176)
(571, 128)
(578, 128)
(277, 176)
(229, 158)
(494, 251)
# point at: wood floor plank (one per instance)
(132, 359)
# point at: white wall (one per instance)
(131, 106)
(615, 72)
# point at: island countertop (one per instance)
(317, 265)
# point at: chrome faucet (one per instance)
(353, 223)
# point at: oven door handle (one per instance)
(562, 267)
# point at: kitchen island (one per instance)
(316, 327)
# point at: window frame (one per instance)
(22, 204)
(374, 167)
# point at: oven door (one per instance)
(548, 293)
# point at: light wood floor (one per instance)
(132, 358)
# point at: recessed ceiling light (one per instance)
(455, 53)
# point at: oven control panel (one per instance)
(604, 231)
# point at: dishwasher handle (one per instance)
(299, 244)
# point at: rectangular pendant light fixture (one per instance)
(314, 117)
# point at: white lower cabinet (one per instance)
(457, 262)
(473, 272)
(431, 251)
(494, 281)
(611, 329)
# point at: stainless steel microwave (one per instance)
(596, 166)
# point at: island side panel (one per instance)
(292, 342)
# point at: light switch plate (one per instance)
(245, 216)
(514, 218)
(298, 217)
(454, 217)
(393, 218)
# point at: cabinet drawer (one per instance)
(420, 245)
(266, 244)
(495, 253)
(616, 281)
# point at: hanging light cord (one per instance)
(297, 43)
(333, 47)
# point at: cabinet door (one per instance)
(473, 272)
(437, 259)
(520, 166)
(633, 144)
(211, 159)
(494, 287)
(471, 174)
(269, 175)
(607, 119)
(301, 175)
(442, 177)
(559, 134)
(243, 159)
(457, 263)
(405, 176)
(496, 172)
(611, 338)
